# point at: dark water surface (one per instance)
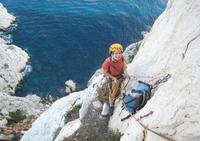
(68, 39)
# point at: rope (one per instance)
(161, 79)
(156, 76)
(138, 120)
(147, 128)
(124, 88)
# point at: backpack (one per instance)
(137, 98)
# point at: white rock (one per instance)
(95, 83)
(2, 41)
(70, 86)
(97, 105)
(131, 51)
(5, 18)
(12, 103)
(67, 90)
(172, 46)
(4, 112)
(96, 74)
(68, 130)
(34, 98)
(50, 123)
(13, 61)
(3, 123)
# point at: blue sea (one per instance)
(69, 39)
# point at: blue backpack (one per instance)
(139, 96)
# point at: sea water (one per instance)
(69, 39)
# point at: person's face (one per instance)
(116, 55)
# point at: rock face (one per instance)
(172, 47)
(50, 126)
(131, 51)
(71, 86)
(49, 123)
(13, 61)
(6, 18)
(30, 106)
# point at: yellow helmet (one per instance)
(114, 47)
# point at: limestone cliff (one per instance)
(13, 61)
(172, 46)
(6, 18)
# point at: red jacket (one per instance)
(113, 68)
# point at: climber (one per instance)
(114, 68)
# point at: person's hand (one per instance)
(115, 80)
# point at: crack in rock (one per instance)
(186, 49)
(144, 135)
(1, 76)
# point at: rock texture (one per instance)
(13, 61)
(172, 47)
(71, 86)
(6, 18)
(50, 126)
(68, 130)
(49, 123)
(30, 105)
(131, 51)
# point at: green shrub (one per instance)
(73, 114)
(15, 117)
(114, 136)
